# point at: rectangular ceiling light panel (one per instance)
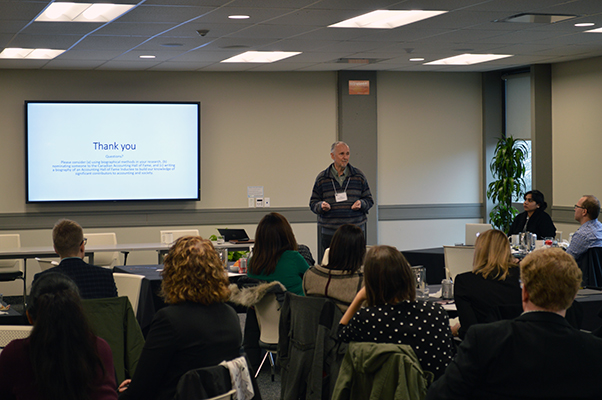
(37, 54)
(261, 56)
(386, 19)
(83, 12)
(468, 59)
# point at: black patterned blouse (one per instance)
(422, 325)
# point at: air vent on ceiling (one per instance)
(359, 60)
(535, 18)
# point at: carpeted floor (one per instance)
(269, 390)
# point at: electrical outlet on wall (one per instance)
(266, 202)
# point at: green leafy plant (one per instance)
(236, 255)
(508, 169)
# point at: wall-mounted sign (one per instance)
(359, 87)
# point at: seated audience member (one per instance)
(275, 256)
(394, 316)
(492, 290)
(69, 243)
(341, 278)
(535, 356)
(589, 233)
(534, 219)
(197, 329)
(62, 358)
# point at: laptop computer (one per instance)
(474, 230)
(234, 235)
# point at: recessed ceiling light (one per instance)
(239, 16)
(416, 59)
(468, 59)
(83, 12)
(386, 19)
(149, 56)
(34, 54)
(359, 60)
(585, 24)
(261, 56)
(597, 30)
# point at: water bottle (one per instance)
(447, 289)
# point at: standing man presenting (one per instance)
(341, 195)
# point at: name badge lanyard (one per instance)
(339, 197)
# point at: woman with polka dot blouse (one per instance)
(394, 316)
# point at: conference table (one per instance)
(27, 253)
(433, 259)
(150, 301)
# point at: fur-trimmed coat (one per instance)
(250, 294)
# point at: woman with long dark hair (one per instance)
(534, 219)
(275, 256)
(62, 359)
(393, 314)
(341, 277)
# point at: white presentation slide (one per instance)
(112, 151)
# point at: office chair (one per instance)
(11, 270)
(591, 267)
(105, 258)
(113, 319)
(170, 236)
(46, 264)
(129, 285)
(458, 259)
(9, 333)
(268, 317)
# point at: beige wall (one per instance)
(429, 151)
(274, 130)
(259, 129)
(577, 127)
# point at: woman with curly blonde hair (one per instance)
(197, 329)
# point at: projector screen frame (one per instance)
(72, 200)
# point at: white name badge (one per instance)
(340, 197)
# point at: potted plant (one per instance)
(508, 170)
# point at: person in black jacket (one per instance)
(70, 244)
(491, 291)
(535, 356)
(196, 330)
(534, 219)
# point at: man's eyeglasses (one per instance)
(84, 242)
(576, 206)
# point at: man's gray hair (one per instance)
(335, 144)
